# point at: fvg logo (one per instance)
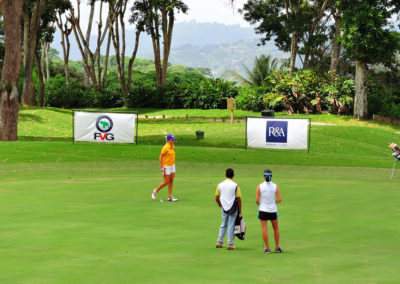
(277, 131)
(104, 124)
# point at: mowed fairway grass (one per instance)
(82, 213)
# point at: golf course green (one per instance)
(83, 213)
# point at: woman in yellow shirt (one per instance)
(167, 163)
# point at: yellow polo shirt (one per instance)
(168, 151)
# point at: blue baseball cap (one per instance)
(170, 137)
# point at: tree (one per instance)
(279, 19)
(38, 24)
(90, 58)
(368, 40)
(46, 35)
(297, 26)
(118, 35)
(158, 18)
(315, 34)
(31, 13)
(263, 66)
(65, 30)
(335, 43)
(9, 106)
(2, 46)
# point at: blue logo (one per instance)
(277, 131)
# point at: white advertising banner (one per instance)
(104, 127)
(264, 132)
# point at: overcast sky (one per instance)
(219, 11)
(202, 11)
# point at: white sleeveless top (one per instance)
(267, 197)
(227, 188)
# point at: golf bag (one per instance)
(240, 227)
(395, 150)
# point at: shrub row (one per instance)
(302, 92)
(179, 92)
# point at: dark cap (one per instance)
(267, 173)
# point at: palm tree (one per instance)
(263, 65)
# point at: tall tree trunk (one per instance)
(66, 65)
(65, 33)
(335, 52)
(133, 57)
(293, 50)
(88, 66)
(87, 38)
(106, 60)
(9, 106)
(42, 57)
(40, 74)
(98, 55)
(168, 26)
(360, 100)
(157, 60)
(118, 12)
(31, 26)
(28, 89)
(318, 13)
(155, 37)
(47, 61)
(89, 58)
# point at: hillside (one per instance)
(210, 45)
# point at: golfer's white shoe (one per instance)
(153, 195)
(172, 199)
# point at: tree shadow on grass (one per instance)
(169, 121)
(25, 117)
(60, 110)
(191, 140)
(37, 138)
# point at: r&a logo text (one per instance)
(276, 131)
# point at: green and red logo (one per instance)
(104, 124)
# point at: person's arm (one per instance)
(217, 194)
(258, 195)
(160, 159)
(218, 201)
(278, 196)
(239, 205)
(239, 200)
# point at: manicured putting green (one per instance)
(94, 222)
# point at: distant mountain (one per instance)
(211, 45)
(221, 57)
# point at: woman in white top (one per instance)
(266, 193)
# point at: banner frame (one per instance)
(271, 118)
(100, 111)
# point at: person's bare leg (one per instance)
(264, 228)
(164, 183)
(276, 232)
(171, 184)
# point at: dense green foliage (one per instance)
(384, 95)
(183, 90)
(300, 92)
(366, 32)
